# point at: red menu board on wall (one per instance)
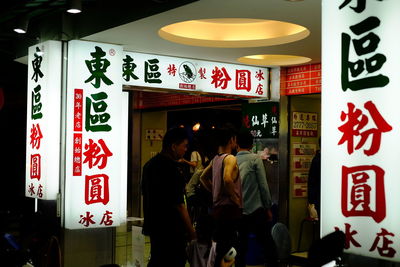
(143, 100)
(299, 80)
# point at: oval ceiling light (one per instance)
(273, 60)
(233, 32)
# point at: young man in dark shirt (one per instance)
(166, 219)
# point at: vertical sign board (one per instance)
(43, 121)
(94, 151)
(192, 75)
(361, 125)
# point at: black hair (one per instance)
(224, 135)
(174, 136)
(245, 139)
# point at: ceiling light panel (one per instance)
(273, 60)
(233, 32)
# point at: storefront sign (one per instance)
(304, 124)
(43, 121)
(192, 75)
(261, 119)
(96, 138)
(361, 125)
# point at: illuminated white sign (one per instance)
(361, 125)
(194, 76)
(43, 121)
(95, 187)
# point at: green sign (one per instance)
(261, 119)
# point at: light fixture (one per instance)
(233, 32)
(74, 6)
(196, 127)
(22, 24)
(273, 60)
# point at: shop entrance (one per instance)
(304, 131)
(152, 113)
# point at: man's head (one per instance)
(226, 137)
(175, 142)
(245, 140)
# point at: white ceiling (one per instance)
(141, 35)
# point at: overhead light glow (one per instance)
(18, 30)
(22, 24)
(74, 11)
(233, 32)
(74, 6)
(196, 127)
(273, 60)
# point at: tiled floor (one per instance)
(123, 247)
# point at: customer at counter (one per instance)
(256, 200)
(166, 219)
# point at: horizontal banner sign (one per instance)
(194, 75)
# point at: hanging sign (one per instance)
(95, 148)
(43, 121)
(261, 119)
(195, 76)
(361, 125)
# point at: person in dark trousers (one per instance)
(221, 177)
(166, 219)
(314, 185)
(256, 201)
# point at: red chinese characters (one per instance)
(220, 78)
(259, 89)
(107, 218)
(383, 250)
(246, 121)
(78, 125)
(86, 220)
(357, 198)
(243, 80)
(78, 110)
(202, 73)
(77, 155)
(259, 75)
(381, 243)
(171, 69)
(96, 154)
(36, 166)
(349, 236)
(96, 189)
(36, 136)
(354, 126)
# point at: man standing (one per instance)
(166, 219)
(256, 198)
(221, 178)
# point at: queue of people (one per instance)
(227, 200)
